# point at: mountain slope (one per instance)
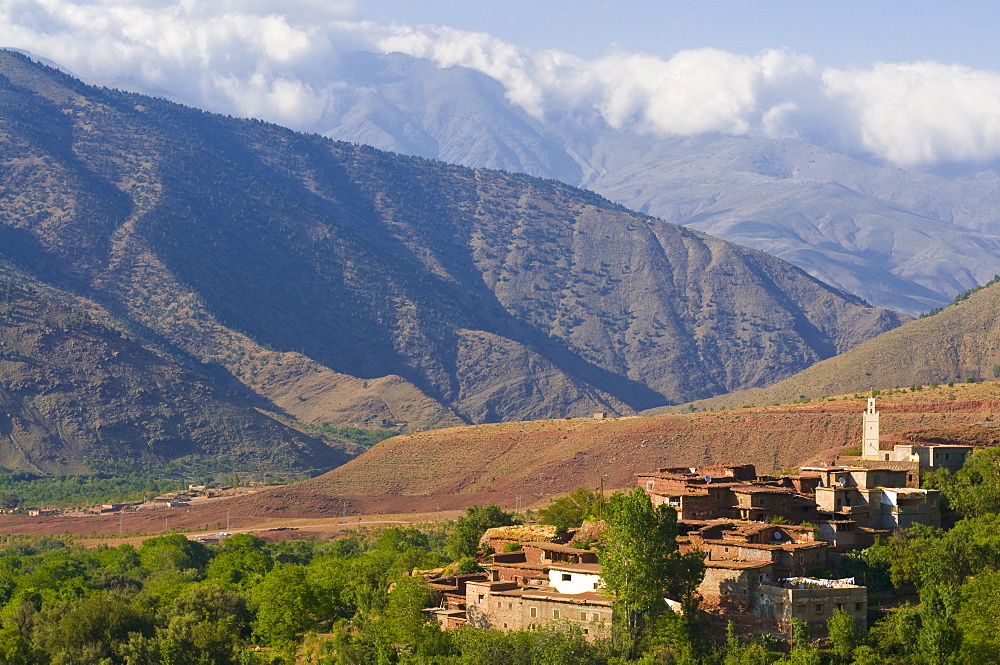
(78, 394)
(896, 238)
(960, 343)
(522, 463)
(346, 285)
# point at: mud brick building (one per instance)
(812, 601)
(504, 605)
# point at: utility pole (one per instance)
(600, 501)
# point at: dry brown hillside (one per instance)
(461, 466)
(959, 343)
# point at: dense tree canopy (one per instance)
(641, 564)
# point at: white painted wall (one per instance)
(577, 582)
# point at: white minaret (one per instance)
(869, 433)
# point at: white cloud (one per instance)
(244, 58)
(924, 112)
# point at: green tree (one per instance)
(173, 552)
(940, 636)
(203, 627)
(242, 563)
(404, 613)
(979, 619)
(974, 490)
(843, 632)
(802, 652)
(641, 564)
(866, 655)
(895, 636)
(464, 538)
(571, 510)
(92, 629)
(284, 605)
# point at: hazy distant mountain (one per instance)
(342, 284)
(897, 238)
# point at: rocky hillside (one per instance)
(897, 238)
(79, 392)
(960, 343)
(340, 284)
(522, 463)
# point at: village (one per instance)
(769, 543)
(194, 495)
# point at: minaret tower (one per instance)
(869, 433)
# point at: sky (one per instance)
(916, 83)
(845, 33)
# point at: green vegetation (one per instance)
(964, 295)
(119, 483)
(363, 437)
(20, 488)
(642, 566)
(464, 539)
(571, 510)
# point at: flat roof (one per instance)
(588, 568)
(585, 598)
(732, 564)
(768, 546)
(761, 489)
(553, 547)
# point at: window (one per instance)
(555, 614)
(532, 612)
(586, 631)
(510, 606)
(481, 598)
(505, 624)
(566, 577)
(840, 606)
(819, 608)
(858, 607)
(583, 616)
(649, 484)
(597, 585)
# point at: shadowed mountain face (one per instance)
(899, 239)
(337, 283)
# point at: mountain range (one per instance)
(898, 238)
(958, 344)
(307, 281)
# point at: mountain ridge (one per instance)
(711, 182)
(344, 285)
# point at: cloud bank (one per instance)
(242, 58)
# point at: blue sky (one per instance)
(836, 33)
(913, 83)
